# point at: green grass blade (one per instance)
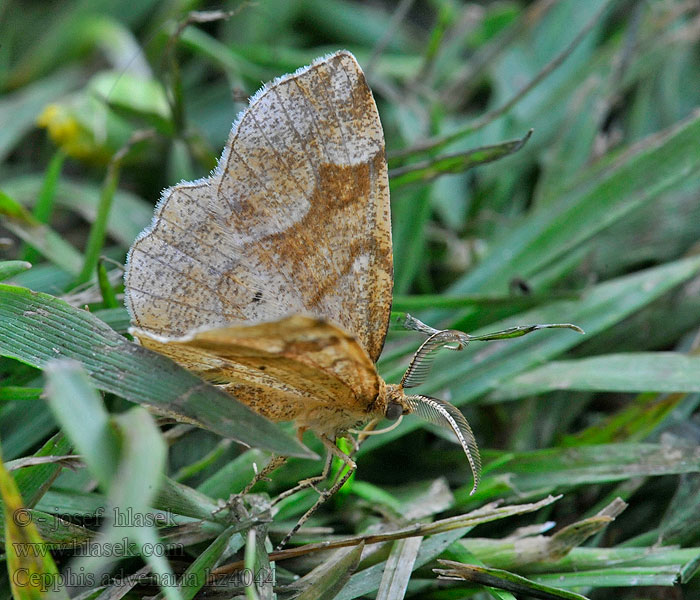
(10, 268)
(368, 580)
(558, 469)
(70, 393)
(21, 222)
(426, 171)
(399, 567)
(99, 226)
(499, 578)
(129, 216)
(33, 481)
(33, 571)
(633, 372)
(43, 208)
(197, 574)
(326, 580)
(656, 165)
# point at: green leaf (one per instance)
(328, 578)
(34, 480)
(21, 222)
(504, 580)
(134, 95)
(129, 216)
(399, 567)
(197, 574)
(10, 268)
(426, 171)
(557, 469)
(43, 208)
(70, 393)
(369, 579)
(656, 165)
(633, 372)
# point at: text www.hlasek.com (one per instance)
(121, 549)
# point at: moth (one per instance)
(273, 277)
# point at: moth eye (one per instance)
(393, 411)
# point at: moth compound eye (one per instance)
(393, 411)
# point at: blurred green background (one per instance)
(592, 218)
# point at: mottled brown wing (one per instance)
(295, 219)
(297, 369)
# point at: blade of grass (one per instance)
(635, 422)
(98, 229)
(632, 372)
(622, 576)
(367, 580)
(69, 393)
(427, 170)
(12, 392)
(504, 580)
(109, 297)
(426, 301)
(129, 216)
(557, 469)
(654, 166)
(21, 222)
(126, 454)
(551, 66)
(398, 569)
(326, 580)
(485, 514)
(33, 481)
(45, 201)
(10, 268)
(197, 573)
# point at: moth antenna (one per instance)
(445, 415)
(422, 360)
(406, 321)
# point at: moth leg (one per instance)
(333, 450)
(274, 463)
(305, 483)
